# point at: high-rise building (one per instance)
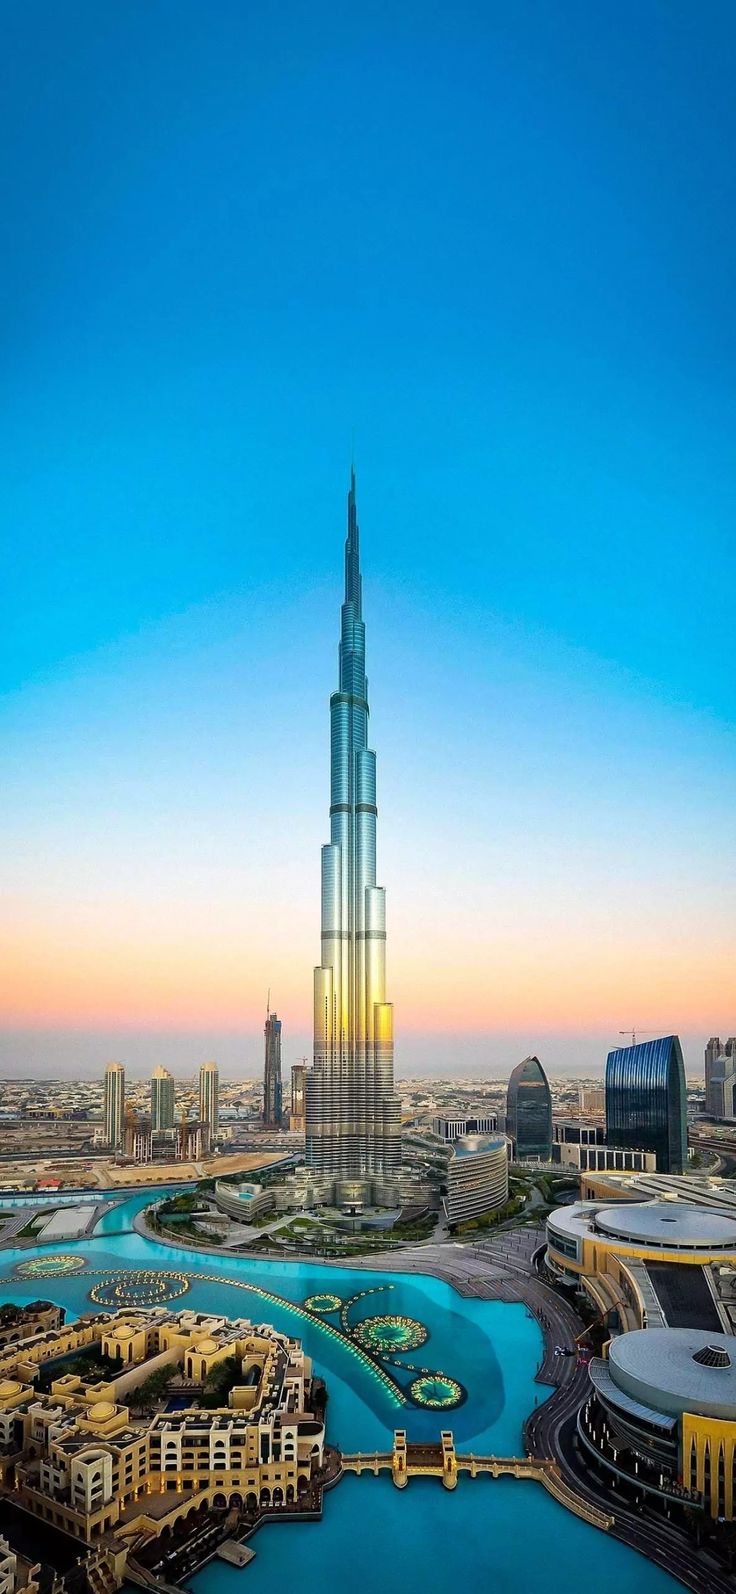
(646, 1102)
(113, 1112)
(713, 1051)
(353, 1117)
(162, 1099)
(272, 1107)
(529, 1111)
(720, 1100)
(720, 1077)
(209, 1097)
(298, 1089)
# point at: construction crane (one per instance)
(634, 1032)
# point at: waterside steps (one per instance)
(441, 1460)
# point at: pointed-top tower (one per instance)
(352, 1114)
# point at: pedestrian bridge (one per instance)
(441, 1460)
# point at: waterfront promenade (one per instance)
(503, 1268)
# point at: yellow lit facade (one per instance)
(74, 1457)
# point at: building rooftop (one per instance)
(665, 1225)
(695, 1190)
(666, 1368)
(478, 1145)
(685, 1297)
(668, 1223)
(603, 1384)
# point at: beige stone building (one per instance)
(105, 1464)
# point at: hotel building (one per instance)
(477, 1177)
(73, 1456)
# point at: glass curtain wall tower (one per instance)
(272, 1111)
(646, 1101)
(352, 1114)
(529, 1111)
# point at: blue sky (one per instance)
(495, 244)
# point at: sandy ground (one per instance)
(99, 1174)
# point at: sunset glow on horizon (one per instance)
(230, 272)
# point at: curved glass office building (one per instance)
(646, 1104)
(353, 1118)
(529, 1111)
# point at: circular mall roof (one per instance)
(668, 1223)
(665, 1368)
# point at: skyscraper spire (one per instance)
(353, 579)
(352, 1114)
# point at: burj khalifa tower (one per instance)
(352, 1114)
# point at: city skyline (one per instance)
(531, 332)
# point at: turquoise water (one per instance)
(495, 1533)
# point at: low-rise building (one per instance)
(449, 1128)
(661, 1417)
(696, 1190)
(652, 1263)
(595, 1157)
(73, 1455)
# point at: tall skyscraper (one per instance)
(209, 1097)
(529, 1111)
(113, 1111)
(162, 1099)
(272, 1113)
(353, 1118)
(298, 1089)
(646, 1101)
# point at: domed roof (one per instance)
(675, 1225)
(206, 1346)
(676, 1370)
(9, 1386)
(101, 1411)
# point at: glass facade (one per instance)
(272, 1091)
(646, 1101)
(162, 1099)
(352, 1114)
(529, 1111)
